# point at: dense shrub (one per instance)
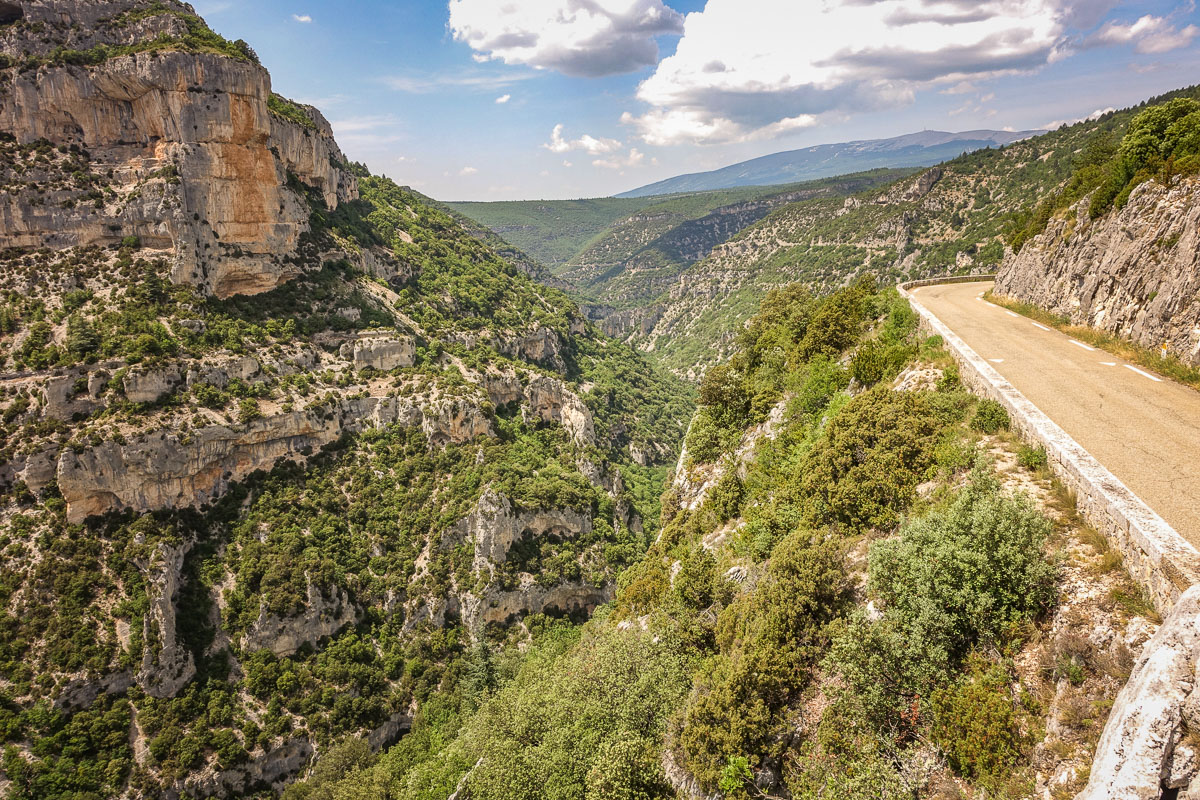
(1032, 458)
(586, 719)
(975, 725)
(958, 576)
(1162, 142)
(866, 467)
(990, 417)
(767, 639)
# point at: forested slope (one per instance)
(281, 451)
(858, 590)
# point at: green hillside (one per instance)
(953, 219)
(552, 231)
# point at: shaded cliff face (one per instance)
(1134, 272)
(185, 150)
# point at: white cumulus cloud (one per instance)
(465, 171)
(1148, 34)
(748, 69)
(618, 161)
(587, 143)
(305, 18)
(502, 99)
(585, 38)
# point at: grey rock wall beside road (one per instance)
(1133, 272)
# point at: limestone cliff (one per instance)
(1134, 272)
(186, 152)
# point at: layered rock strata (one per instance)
(1133, 272)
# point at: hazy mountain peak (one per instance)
(919, 149)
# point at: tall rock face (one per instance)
(180, 149)
(1134, 272)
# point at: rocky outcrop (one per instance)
(530, 597)
(494, 526)
(167, 665)
(549, 400)
(200, 166)
(1134, 272)
(83, 692)
(691, 485)
(1142, 752)
(383, 352)
(150, 385)
(322, 616)
(274, 769)
(170, 470)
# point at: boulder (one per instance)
(1139, 753)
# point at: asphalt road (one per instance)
(1144, 428)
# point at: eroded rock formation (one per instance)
(199, 165)
(1143, 754)
(170, 470)
(1134, 272)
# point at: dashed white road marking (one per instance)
(1109, 363)
(1040, 325)
(1011, 314)
(1143, 374)
(996, 360)
(1081, 344)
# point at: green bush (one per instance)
(990, 417)
(767, 639)
(284, 108)
(1031, 458)
(825, 377)
(961, 575)
(870, 363)
(585, 720)
(864, 471)
(708, 439)
(974, 724)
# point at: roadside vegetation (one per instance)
(1161, 142)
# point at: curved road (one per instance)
(1145, 429)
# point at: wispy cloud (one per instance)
(1058, 123)
(305, 18)
(1149, 34)
(465, 171)
(469, 81)
(213, 7)
(583, 39)
(368, 132)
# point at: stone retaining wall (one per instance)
(1155, 554)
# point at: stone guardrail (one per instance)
(1156, 555)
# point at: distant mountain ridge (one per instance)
(825, 160)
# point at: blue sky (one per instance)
(462, 99)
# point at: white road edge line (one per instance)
(1143, 374)
(1011, 314)
(1109, 363)
(1081, 344)
(1040, 325)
